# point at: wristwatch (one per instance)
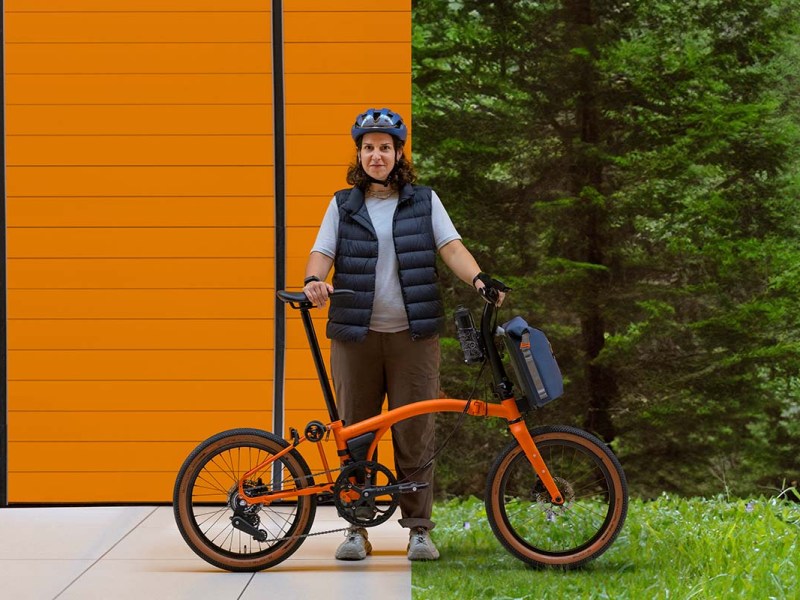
(309, 279)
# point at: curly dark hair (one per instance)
(402, 173)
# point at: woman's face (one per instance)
(378, 155)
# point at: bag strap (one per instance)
(525, 347)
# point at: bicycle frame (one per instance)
(379, 425)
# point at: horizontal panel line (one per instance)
(161, 166)
(129, 289)
(151, 73)
(140, 349)
(151, 196)
(385, 103)
(134, 380)
(147, 73)
(139, 257)
(285, 10)
(358, 12)
(73, 472)
(119, 12)
(180, 411)
(140, 104)
(383, 72)
(203, 319)
(126, 411)
(165, 166)
(356, 104)
(237, 227)
(114, 441)
(306, 379)
(347, 42)
(116, 471)
(126, 43)
(63, 166)
(268, 135)
(344, 42)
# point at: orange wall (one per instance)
(140, 223)
(335, 69)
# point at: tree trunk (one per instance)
(587, 184)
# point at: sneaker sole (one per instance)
(421, 556)
(347, 555)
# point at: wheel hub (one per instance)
(542, 497)
(241, 507)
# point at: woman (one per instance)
(381, 237)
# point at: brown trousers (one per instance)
(392, 365)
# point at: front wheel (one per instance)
(545, 534)
(206, 500)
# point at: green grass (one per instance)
(669, 548)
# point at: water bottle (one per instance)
(468, 336)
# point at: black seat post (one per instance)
(322, 372)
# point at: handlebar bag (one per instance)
(533, 361)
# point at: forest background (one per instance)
(632, 171)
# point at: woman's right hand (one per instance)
(317, 292)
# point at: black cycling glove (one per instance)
(492, 289)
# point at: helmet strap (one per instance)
(389, 178)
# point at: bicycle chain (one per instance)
(305, 535)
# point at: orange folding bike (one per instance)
(245, 499)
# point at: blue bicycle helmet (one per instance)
(379, 121)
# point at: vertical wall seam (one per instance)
(3, 297)
(279, 141)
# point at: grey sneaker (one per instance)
(356, 546)
(420, 545)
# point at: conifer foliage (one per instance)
(631, 170)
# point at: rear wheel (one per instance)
(206, 499)
(542, 533)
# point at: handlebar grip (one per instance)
(341, 292)
(299, 298)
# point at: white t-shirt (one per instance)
(388, 309)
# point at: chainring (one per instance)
(352, 497)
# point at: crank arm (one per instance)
(401, 488)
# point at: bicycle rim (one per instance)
(542, 533)
(205, 493)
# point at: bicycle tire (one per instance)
(541, 533)
(203, 493)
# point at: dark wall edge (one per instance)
(3, 295)
(279, 137)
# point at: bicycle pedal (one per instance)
(412, 486)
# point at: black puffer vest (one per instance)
(357, 257)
